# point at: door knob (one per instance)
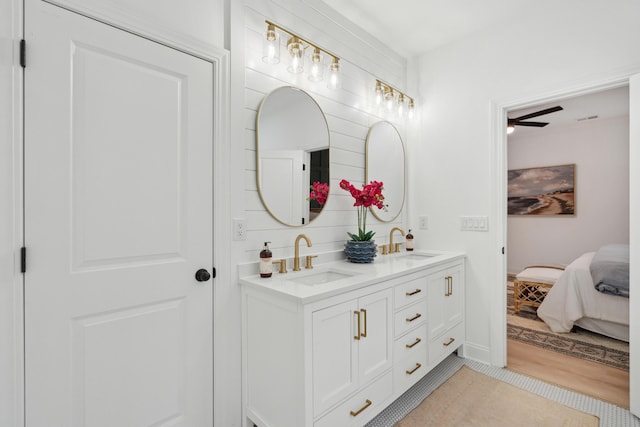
(202, 275)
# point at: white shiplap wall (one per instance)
(348, 111)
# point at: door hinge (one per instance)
(23, 53)
(302, 220)
(304, 167)
(213, 273)
(23, 260)
(503, 250)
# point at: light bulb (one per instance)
(316, 68)
(296, 51)
(334, 74)
(402, 111)
(271, 48)
(510, 129)
(388, 99)
(410, 109)
(378, 93)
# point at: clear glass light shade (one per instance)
(379, 94)
(410, 109)
(296, 52)
(402, 106)
(388, 100)
(316, 66)
(271, 46)
(334, 74)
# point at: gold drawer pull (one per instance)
(356, 413)
(357, 337)
(411, 319)
(447, 344)
(418, 340)
(449, 290)
(414, 369)
(417, 291)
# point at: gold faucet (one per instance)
(296, 258)
(393, 249)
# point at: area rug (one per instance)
(470, 398)
(527, 327)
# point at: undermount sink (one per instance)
(320, 277)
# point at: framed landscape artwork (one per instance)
(548, 190)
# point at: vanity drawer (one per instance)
(364, 404)
(412, 343)
(412, 291)
(410, 317)
(408, 371)
(444, 344)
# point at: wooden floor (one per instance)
(583, 376)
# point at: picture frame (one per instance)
(542, 191)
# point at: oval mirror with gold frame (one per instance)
(385, 162)
(292, 152)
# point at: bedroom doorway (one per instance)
(504, 157)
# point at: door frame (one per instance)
(499, 168)
(220, 60)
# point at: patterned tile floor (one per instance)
(610, 415)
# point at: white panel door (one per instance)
(118, 214)
(281, 185)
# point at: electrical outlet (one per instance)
(239, 229)
(423, 222)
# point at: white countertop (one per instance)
(347, 276)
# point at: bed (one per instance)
(574, 300)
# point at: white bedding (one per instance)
(574, 297)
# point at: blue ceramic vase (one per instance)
(360, 252)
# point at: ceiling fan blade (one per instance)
(531, 124)
(539, 113)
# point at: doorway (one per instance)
(579, 155)
(498, 322)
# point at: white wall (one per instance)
(553, 47)
(600, 151)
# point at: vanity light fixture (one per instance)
(296, 47)
(395, 101)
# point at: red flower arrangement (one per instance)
(370, 195)
(319, 192)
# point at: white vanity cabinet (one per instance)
(336, 354)
(446, 311)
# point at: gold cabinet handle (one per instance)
(414, 369)
(416, 342)
(364, 334)
(448, 292)
(356, 413)
(411, 319)
(357, 337)
(450, 285)
(417, 291)
(448, 343)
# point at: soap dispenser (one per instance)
(265, 261)
(409, 239)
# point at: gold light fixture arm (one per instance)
(301, 39)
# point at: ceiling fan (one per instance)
(518, 121)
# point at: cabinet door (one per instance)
(334, 354)
(376, 343)
(454, 301)
(445, 300)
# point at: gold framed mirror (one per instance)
(385, 162)
(292, 152)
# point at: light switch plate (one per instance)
(474, 223)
